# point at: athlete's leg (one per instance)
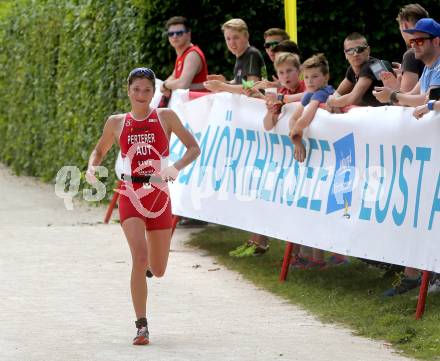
(134, 229)
(158, 250)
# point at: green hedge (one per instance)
(62, 69)
(63, 63)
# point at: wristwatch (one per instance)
(431, 104)
(280, 98)
(393, 97)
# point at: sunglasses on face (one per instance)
(356, 49)
(177, 33)
(419, 41)
(271, 44)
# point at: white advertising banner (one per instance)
(369, 187)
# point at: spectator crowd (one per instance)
(368, 81)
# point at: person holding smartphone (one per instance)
(359, 79)
(425, 39)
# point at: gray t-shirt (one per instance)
(251, 62)
(411, 64)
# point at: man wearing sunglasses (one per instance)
(426, 43)
(359, 79)
(190, 69)
(275, 38)
(272, 37)
(409, 73)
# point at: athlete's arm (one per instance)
(111, 128)
(174, 125)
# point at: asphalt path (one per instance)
(64, 295)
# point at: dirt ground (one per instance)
(64, 295)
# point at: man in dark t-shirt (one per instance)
(359, 80)
(365, 71)
(411, 64)
(251, 62)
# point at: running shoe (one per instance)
(434, 285)
(336, 260)
(142, 335)
(298, 262)
(240, 249)
(315, 265)
(191, 223)
(406, 284)
(253, 250)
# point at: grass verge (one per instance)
(349, 294)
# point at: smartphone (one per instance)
(379, 66)
(434, 94)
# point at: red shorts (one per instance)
(152, 205)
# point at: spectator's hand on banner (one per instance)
(253, 93)
(264, 84)
(169, 174)
(213, 85)
(420, 111)
(382, 93)
(218, 77)
(164, 90)
(329, 103)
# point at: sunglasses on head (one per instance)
(356, 49)
(419, 41)
(147, 72)
(177, 33)
(271, 44)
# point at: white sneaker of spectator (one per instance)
(434, 285)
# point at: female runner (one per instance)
(144, 204)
